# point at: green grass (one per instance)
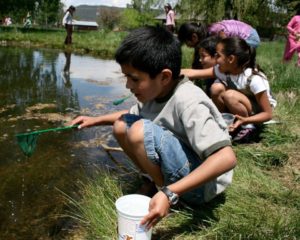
(98, 43)
(95, 212)
(263, 201)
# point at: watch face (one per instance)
(173, 197)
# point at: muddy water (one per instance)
(42, 89)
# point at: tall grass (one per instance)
(95, 212)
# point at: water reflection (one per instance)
(41, 89)
(66, 73)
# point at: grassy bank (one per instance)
(98, 43)
(263, 201)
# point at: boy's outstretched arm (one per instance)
(107, 119)
(216, 164)
(193, 74)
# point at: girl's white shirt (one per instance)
(258, 83)
(67, 19)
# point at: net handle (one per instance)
(48, 130)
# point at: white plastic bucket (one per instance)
(131, 209)
(228, 118)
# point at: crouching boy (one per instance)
(174, 133)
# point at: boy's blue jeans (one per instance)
(175, 159)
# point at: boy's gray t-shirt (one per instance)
(193, 118)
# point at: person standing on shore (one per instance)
(68, 23)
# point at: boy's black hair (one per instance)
(151, 49)
(186, 31)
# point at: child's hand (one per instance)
(158, 208)
(239, 120)
(84, 121)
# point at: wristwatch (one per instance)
(173, 197)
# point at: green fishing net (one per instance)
(27, 142)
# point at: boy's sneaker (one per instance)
(245, 135)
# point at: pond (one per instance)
(42, 89)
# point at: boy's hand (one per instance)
(158, 208)
(84, 121)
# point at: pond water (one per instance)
(42, 89)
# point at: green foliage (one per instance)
(263, 14)
(130, 19)
(45, 12)
(109, 18)
(212, 9)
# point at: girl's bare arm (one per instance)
(198, 73)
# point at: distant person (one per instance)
(28, 21)
(241, 89)
(293, 41)
(68, 23)
(7, 21)
(170, 18)
(174, 132)
(192, 33)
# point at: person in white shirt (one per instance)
(68, 23)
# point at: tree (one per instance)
(254, 12)
(47, 12)
(140, 14)
(18, 9)
(129, 19)
(109, 17)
